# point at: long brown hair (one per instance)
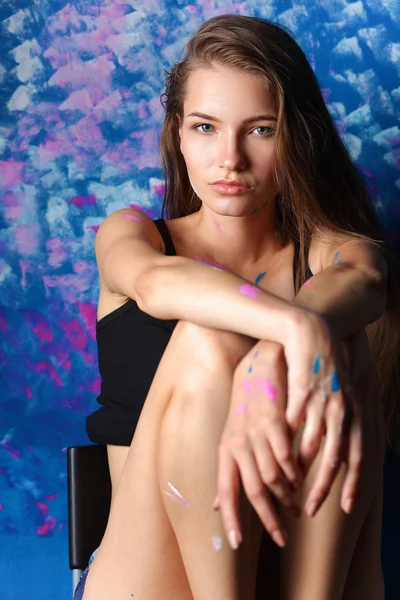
(320, 187)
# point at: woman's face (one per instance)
(230, 148)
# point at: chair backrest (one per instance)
(89, 499)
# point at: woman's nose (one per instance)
(231, 154)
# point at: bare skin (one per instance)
(322, 564)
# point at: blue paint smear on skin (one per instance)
(336, 255)
(335, 382)
(259, 277)
(256, 353)
(339, 261)
(250, 369)
(317, 365)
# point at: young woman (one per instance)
(229, 338)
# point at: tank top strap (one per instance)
(166, 236)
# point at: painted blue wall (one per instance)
(80, 119)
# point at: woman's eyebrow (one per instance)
(249, 120)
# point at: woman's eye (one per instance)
(269, 130)
(202, 125)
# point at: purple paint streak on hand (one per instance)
(268, 388)
(246, 385)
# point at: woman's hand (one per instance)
(321, 394)
(256, 440)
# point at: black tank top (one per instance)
(130, 345)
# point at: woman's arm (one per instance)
(350, 293)
(132, 264)
(189, 290)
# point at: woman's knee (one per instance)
(199, 403)
(208, 353)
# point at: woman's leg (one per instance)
(189, 438)
(155, 545)
(334, 556)
(365, 577)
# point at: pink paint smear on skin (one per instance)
(268, 388)
(307, 283)
(177, 494)
(240, 409)
(249, 290)
(217, 225)
(209, 262)
(257, 383)
(132, 218)
(246, 385)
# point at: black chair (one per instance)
(89, 499)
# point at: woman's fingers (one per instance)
(271, 474)
(299, 387)
(315, 423)
(256, 493)
(331, 459)
(355, 458)
(228, 496)
(280, 443)
(258, 496)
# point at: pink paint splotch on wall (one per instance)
(83, 201)
(38, 324)
(27, 239)
(11, 173)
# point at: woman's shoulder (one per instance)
(323, 240)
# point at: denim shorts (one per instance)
(80, 588)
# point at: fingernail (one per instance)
(348, 505)
(311, 508)
(233, 539)
(280, 537)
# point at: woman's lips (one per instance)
(230, 190)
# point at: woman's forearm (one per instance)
(192, 291)
(349, 298)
